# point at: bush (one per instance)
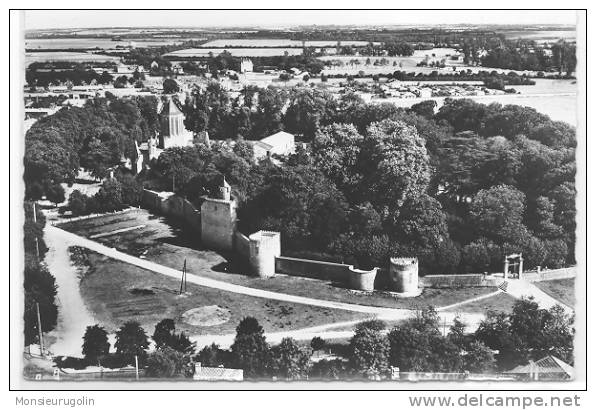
(69, 362)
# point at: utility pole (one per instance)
(137, 366)
(183, 279)
(40, 332)
(35, 221)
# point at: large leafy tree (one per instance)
(95, 343)
(498, 213)
(369, 350)
(250, 350)
(290, 360)
(131, 341)
(394, 164)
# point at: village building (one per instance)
(281, 143)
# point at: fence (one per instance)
(542, 275)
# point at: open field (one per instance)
(561, 289)
(35, 57)
(116, 292)
(163, 241)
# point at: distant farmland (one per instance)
(237, 52)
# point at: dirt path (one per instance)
(73, 316)
(521, 288)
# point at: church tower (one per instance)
(173, 133)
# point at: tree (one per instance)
(168, 363)
(498, 213)
(164, 331)
(290, 360)
(479, 358)
(214, 356)
(109, 196)
(250, 349)
(369, 351)
(77, 203)
(40, 288)
(132, 190)
(336, 150)
(131, 341)
(394, 164)
(170, 86)
(95, 343)
(317, 343)
(165, 336)
(55, 193)
(425, 109)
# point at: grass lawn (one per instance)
(115, 292)
(561, 289)
(164, 241)
(502, 302)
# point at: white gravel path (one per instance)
(73, 316)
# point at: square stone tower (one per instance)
(218, 220)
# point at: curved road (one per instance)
(64, 239)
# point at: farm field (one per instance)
(237, 52)
(116, 292)
(43, 56)
(164, 241)
(278, 42)
(560, 289)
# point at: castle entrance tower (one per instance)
(218, 219)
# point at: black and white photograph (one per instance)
(299, 198)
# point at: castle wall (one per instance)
(170, 204)
(264, 248)
(459, 281)
(218, 223)
(335, 272)
(362, 279)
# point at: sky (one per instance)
(44, 19)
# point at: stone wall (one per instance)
(334, 272)
(170, 204)
(564, 273)
(218, 223)
(459, 281)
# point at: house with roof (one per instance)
(547, 368)
(281, 143)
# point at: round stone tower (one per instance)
(403, 276)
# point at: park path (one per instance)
(519, 288)
(73, 316)
(66, 239)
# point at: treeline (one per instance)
(458, 188)
(77, 76)
(501, 342)
(527, 55)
